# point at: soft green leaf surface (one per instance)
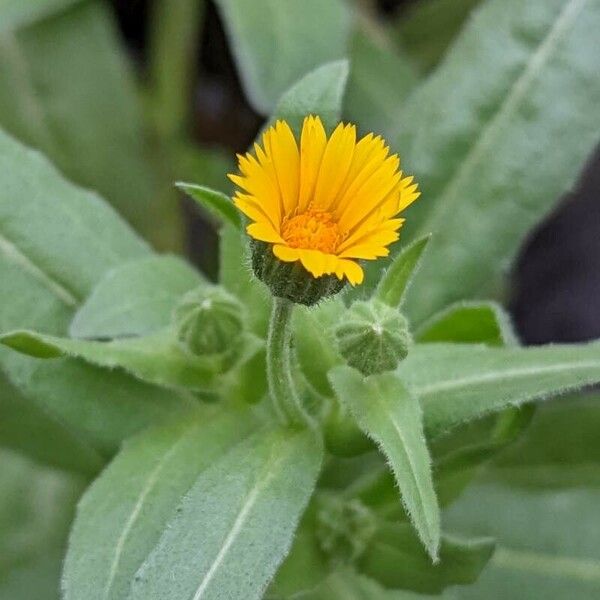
(236, 276)
(547, 542)
(347, 585)
(468, 323)
(561, 447)
(36, 507)
(122, 515)
(135, 298)
(157, 358)
(396, 559)
(276, 43)
(236, 524)
(397, 278)
(216, 203)
(320, 92)
(380, 80)
(391, 416)
(430, 26)
(56, 242)
(457, 383)
(27, 428)
(54, 80)
(18, 13)
(485, 171)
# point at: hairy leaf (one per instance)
(390, 415)
(54, 76)
(457, 383)
(157, 358)
(122, 515)
(135, 298)
(396, 280)
(236, 524)
(485, 170)
(320, 92)
(381, 78)
(547, 544)
(468, 323)
(269, 41)
(216, 203)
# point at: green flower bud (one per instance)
(209, 322)
(344, 528)
(290, 279)
(373, 337)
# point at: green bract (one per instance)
(163, 437)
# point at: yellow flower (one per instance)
(327, 203)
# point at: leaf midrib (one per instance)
(499, 376)
(515, 94)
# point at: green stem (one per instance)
(286, 402)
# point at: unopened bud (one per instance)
(374, 337)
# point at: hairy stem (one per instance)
(286, 402)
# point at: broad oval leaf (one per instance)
(485, 170)
(457, 383)
(269, 41)
(391, 416)
(122, 515)
(135, 298)
(469, 323)
(236, 524)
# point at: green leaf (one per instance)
(484, 178)
(348, 585)
(320, 92)
(469, 323)
(59, 236)
(269, 41)
(430, 26)
(36, 508)
(216, 203)
(236, 523)
(122, 515)
(56, 242)
(54, 77)
(396, 280)
(19, 13)
(27, 428)
(547, 542)
(236, 276)
(457, 383)
(381, 78)
(391, 416)
(135, 298)
(559, 449)
(396, 559)
(157, 358)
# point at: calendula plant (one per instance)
(347, 412)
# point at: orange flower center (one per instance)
(312, 230)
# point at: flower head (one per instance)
(326, 203)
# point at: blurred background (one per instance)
(556, 280)
(129, 96)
